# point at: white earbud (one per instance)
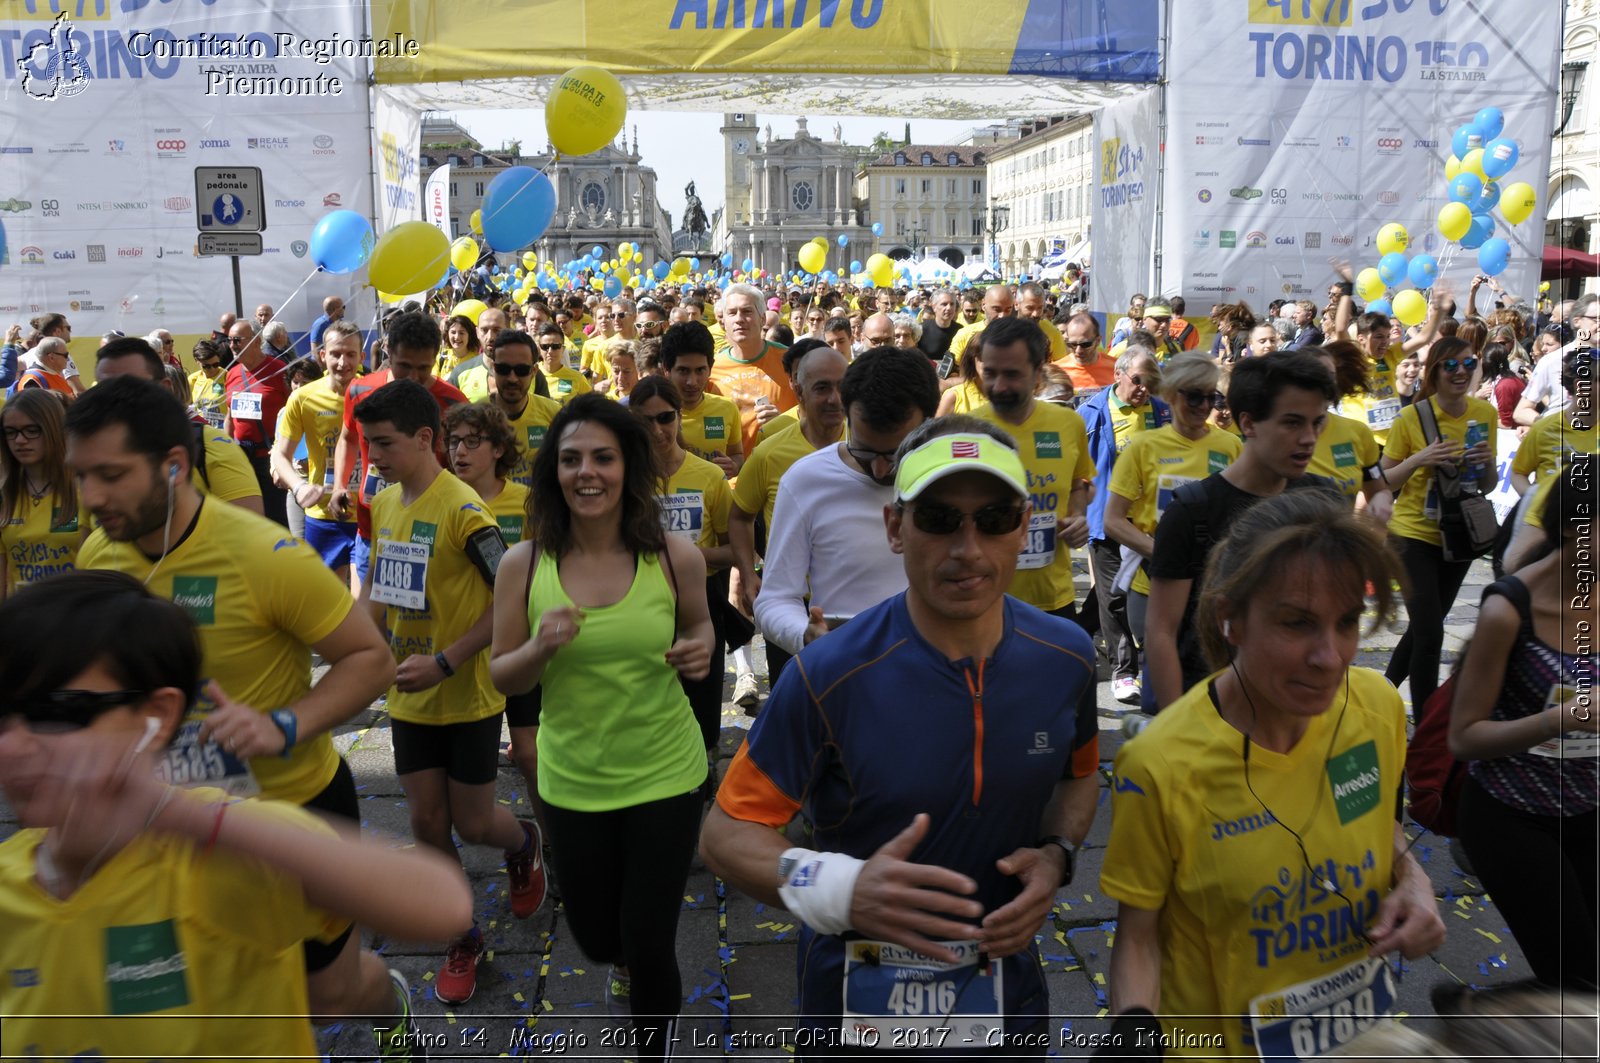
(1227, 629)
(151, 726)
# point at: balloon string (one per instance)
(281, 304)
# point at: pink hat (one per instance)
(774, 303)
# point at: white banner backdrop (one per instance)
(1296, 128)
(114, 107)
(1127, 153)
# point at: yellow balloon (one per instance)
(476, 222)
(411, 257)
(386, 297)
(530, 260)
(1516, 202)
(1393, 238)
(680, 267)
(1473, 164)
(1410, 307)
(1452, 167)
(469, 309)
(813, 258)
(597, 283)
(1369, 285)
(1455, 219)
(464, 253)
(880, 268)
(625, 250)
(584, 110)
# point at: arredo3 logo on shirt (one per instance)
(1353, 775)
(197, 596)
(145, 970)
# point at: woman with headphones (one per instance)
(1254, 853)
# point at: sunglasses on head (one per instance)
(1451, 365)
(507, 369)
(73, 710)
(665, 417)
(936, 518)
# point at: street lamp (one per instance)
(916, 244)
(998, 218)
(1571, 84)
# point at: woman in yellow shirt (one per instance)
(40, 532)
(462, 336)
(1432, 582)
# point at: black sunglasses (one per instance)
(934, 518)
(73, 710)
(1199, 398)
(665, 417)
(1081, 344)
(865, 457)
(1450, 365)
(507, 369)
(551, 346)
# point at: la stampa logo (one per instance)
(65, 73)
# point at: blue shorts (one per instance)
(361, 556)
(335, 541)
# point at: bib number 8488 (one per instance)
(396, 574)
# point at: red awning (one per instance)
(1561, 262)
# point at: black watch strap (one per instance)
(1067, 848)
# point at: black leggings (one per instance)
(1433, 583)
(622, 875)
(1539, 870)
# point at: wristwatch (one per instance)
(1067, 848)
(289, 724)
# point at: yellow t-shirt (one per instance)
(594, 355)
(969, 396)
(1541, 496)
(1156, 463)
(443, 517)
(1241, 914)
(756, 490)
(36, 542)
(260, 600)
(695, 504)
(163, 953)
(1344, 448)
(509, 509)
(208, 397)
(229, 476)
(1543, 450)
(1058, 343)
(1378, 408)
(529, 428)
(709, 427)
(1054, 446)
(315, 413)
(781, 423)
(1416, 510)
(566, 384)
(449, 363)
(963, 336)
(1126, 421)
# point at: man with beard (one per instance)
(826, 537)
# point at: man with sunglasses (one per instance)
(982, 785)
(563, 381)
(651, 320)
(1085, 363)
(824, 541)
(1111, 417)
(513, 391)
(413, 343)
(1280, 404)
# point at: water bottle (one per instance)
(1476, 433)
(1135, 722)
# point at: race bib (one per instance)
(213, 416)
(1039, 549)
(190, 762)
(372, 485)
(1570, 745)
(245, 406)
(1309, 1020)
(683, 514)
(1166, 485)
(1381, 414)
(897, 998)
(400, 574)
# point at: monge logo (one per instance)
(52, 69)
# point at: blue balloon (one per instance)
(1494, 256)
(596, 251)
(855, 265)
(1486, 200)
(660, 270)
(727, 260)
(1423, 271)
(877, 228)
(1380, 306)
(2, 241)
(868, 282)
(517, 208)
(844, 241)
(341, 242)
(1467, 137)
(747, 265)
(1499, 155)
(1489, 121)
(1465, 188)
(694, 264)
(1392, 268)
(613, 287)
(1482, 228)
(494, 271)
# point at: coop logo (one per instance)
(31, 255)
(288, 202)
(1388, 198)
(97, 252)
(1390, 145)
(1255, 238)
(177, 204)
(170, 148)
(50, 207)
(1245, 192)
(1255, 142)
(64, 256)
(52, 69)
(1204, 195)
(130, 252)
(322, 144)
(211, 144)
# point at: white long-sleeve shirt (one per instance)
(828, 539)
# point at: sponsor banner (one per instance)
(1077, 39)
(396, 136)
(1339, 120)
(1127, 156)
(436, 200)
(110, 110)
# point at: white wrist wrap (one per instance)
(817, 887)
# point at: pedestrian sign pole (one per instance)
(229, 205)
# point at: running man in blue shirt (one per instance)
(936, 745)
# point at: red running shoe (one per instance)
(458, 978)
(526, 870)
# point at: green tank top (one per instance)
(616, 728)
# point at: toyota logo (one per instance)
(171, 145)
(323, 141)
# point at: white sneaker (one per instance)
(745, 691)
(1126, 690)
